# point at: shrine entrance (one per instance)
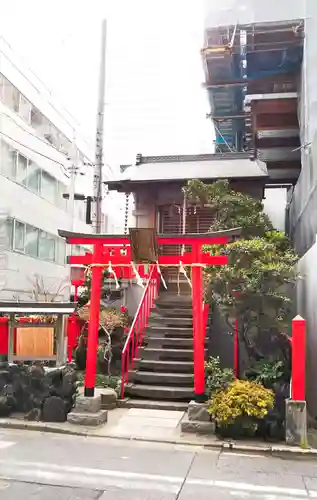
(140, 255)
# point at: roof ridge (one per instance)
(195, 157)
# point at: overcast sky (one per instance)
(155, 103)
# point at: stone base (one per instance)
(108, 399)
(296, 423)
(88, 419)
(88, 405)
(197, 426)
(198, 412)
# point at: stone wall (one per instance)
(37, 392)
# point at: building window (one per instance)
(22, 169)
(32, 241)
(9, 233)
(62, 202)
(49, 187)
(25, 109)
(33, 181)
(61, 250)
(10, 96)
(47, 246)
(19, 236)
(8, 160)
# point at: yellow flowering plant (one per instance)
(242, 402)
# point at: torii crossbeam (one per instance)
(115, 250)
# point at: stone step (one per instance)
(169, 331)
(161, 378)
(166, 354)
(173, 301)
(172, 313)
(157, 392)
(148, 404)
(164, 366)
(156, 319)
(174, 342)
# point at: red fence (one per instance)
(139, 324)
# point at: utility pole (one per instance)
(97, 182)
(73, 172)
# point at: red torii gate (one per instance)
(115, 249)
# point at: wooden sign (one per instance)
(144, 248)
(35, 342)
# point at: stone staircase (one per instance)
(163, 373)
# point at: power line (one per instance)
(61, 165)
(35, 135)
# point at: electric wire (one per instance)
(61, 165)
(35, 135)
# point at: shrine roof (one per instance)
(177, 168)
(14, 307)
(124, 238)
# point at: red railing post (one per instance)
(135, 335)
(298, 359)
(122, 374)
(198, 326)
(93, 326)
(133, 344)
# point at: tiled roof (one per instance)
(204, 167)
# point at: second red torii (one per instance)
(119, 255)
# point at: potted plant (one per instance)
(238, 408)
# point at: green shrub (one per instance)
(102, 381)
(242, 402)
(217, 378)
(267, 373)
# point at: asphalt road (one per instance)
(42, 466)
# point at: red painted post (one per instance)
(93, 326)
(4, 335)
(199, 337)
(236, 349)
(298, 358)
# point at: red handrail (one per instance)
(139, 324)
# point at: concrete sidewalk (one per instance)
(157, 426)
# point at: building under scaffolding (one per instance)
(260, 61)
(252, 73)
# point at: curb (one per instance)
(274, 450)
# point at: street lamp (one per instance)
(82, 197)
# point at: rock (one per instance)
(88, 419)
(88, 405)
(5, 407)
(108, 399)
(34, 415)
(36, 371)
(198, 412)
(197, 426)
(26, 388)
(54, 410)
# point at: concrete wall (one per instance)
(303, 206)
(306, 307)
(275, 206)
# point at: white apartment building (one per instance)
(36, 152)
